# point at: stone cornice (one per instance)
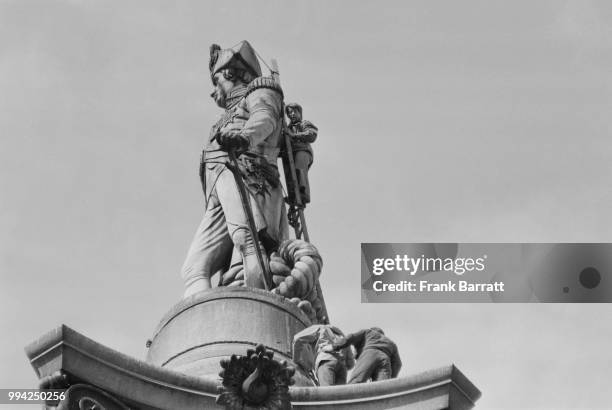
(134, 381)
(146, 386)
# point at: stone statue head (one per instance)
(230, 68)
(294, 112)
(224, 82)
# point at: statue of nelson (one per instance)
(251, 127)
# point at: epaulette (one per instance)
(263, 82)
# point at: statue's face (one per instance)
(293, 114)
(222, 88)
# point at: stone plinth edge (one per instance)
(133, 381)
(448, 380)
(147, 387)
(238, 292)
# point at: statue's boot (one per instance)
(253, 271)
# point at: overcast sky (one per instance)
(481, 121)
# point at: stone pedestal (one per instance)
(97, 373)
(212, 325)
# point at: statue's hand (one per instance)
(233, 140)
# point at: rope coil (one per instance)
(295, 269)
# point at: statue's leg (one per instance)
(253, 272)
(210, 250)
(238, 227)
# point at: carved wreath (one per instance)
(255, 381)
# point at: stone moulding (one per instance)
(147, 387)
(441, 388)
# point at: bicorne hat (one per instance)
(242, 57)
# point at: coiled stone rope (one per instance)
(295, 268)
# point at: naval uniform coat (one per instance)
(257, 114)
